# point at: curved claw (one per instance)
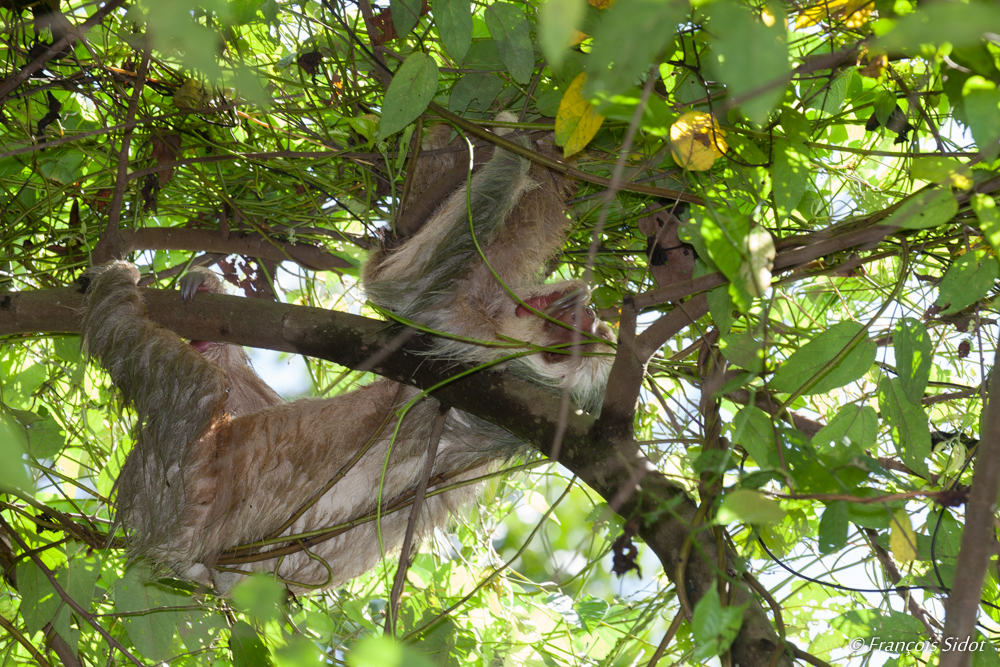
(192, 283)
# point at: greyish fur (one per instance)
(220, 461)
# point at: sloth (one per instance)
(223, 468)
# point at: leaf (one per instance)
(969, 278)
(935, 23)
(696, 140)
(479, 87)
(885, 104)
(828, 97)
(248, 649)
(857, 424)
(13, 443)
(751, 58)
(384, 652)
(510, 29)
(259, 596)
(755, 433)
(912, 345)
(907, 424)
(64, 169)
(39, 600)
(409, 93)
(576, 122)
(936, 169)
(982, 109)
(748, 506)
(628, 38)
(558, 21)
(755, 269)
(811, 358)
(405, 14)
(714, 627)
(152, 633)
(743, 350)
(791, 175)
(454, 23)
(989, 219)
(45, 438)
(902, 539)
(833, 527)
(929, 208)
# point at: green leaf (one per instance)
(510, 30)
(791, 175)
(454, 24)
(828, 97)
(260, 597)
(907, 424)
(752, 58)
(405, 14)
(384, 652)
(65, 168)
(45, 438)
(13, 444)
(989, 219)
(959, 23)
(929, 208)
(627, 38)
(39, 600)
(857, 424)
(982, 109)
(152, 633)
(725, 233)
(833, 527)
(743, 350)
(248, 649)
(811, 358)
(912, 345)
(409, 93)
(557, 24)
(714, 626)
(479, 87)
(936, 169)
(970, 278)
(755, 433)
(748, 506)
(885, 104)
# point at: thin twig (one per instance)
(411, 524)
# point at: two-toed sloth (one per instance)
(220, 461)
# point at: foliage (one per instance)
(842, 157)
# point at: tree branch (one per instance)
(251, 245)
(612, 464)
(978, 535)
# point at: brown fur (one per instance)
(219, 461)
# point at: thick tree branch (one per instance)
(978, 536)
(613, 465)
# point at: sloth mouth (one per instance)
(564, 307)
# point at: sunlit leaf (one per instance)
(902, 539)
(970, 278)
(696, 140)
(576, 122)
(748, 506)
(558, 21)
(817, 355)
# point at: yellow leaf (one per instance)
(578, 37)
(696, 140)
(854, 13)
(576, 122)
(902, 539)
(601, 4)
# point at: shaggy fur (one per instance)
(221, 461)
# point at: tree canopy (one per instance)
(787, 211)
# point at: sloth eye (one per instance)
(589, 312)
